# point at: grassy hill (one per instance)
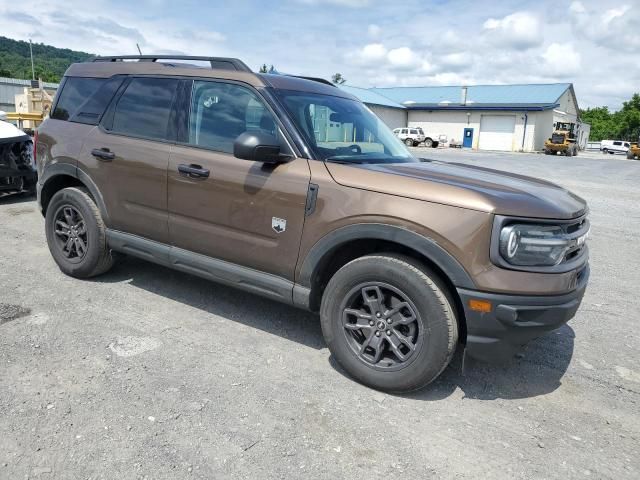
(50, 62)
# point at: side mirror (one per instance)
(258, 146)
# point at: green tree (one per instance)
(50, 62)
(265, 69)
(338, 79)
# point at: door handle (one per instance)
(193, 171)
(103, 154)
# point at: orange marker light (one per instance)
(483, 306)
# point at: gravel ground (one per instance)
(149, 373)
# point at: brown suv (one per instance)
(291, 188)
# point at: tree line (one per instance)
(49, 62)
(621, 125)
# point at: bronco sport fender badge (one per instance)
(279, 225)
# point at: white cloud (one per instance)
(518, 30)
(615, 28)
(561, 60)
(402, 57)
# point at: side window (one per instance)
(143, 109)
(75, 91)
(414, 132)
(220, 112)
(404, 131)
(94, 106)
(617, 143)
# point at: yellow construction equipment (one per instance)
(563, 140)
(34, 118)
(634, 151)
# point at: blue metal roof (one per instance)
(495, 95)
(370, 96)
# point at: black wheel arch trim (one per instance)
(428, 247)
(67, 169)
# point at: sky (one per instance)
(593, 44)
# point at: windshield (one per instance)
(343, 130)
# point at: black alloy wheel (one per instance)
(71, 234)
(382, 326)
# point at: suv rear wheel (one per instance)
(408, 142)
(388, 322)
(76, 234)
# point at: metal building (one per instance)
(10, 87)
(483, 117)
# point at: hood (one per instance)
(11, 134)
(464, 186)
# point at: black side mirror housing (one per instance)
(258, 146)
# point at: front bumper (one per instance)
(499, 334)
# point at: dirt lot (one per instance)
(149, 373)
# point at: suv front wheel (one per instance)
(388, 322)
(76, 234)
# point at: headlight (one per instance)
(535, 245)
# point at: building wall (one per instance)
(566, 111)
(544, 128)
(452, 125)
(10, 87)
(392, 117)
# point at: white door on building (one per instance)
(496, 132)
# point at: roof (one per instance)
(370, 96)
(530, 96)
(25, 83)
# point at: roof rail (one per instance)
(222, 63)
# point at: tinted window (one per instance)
(144, 108)
(93, 107)
(414, 132)
(617, 143)
(75, 92)
(220, 112)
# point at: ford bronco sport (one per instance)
(291, 188)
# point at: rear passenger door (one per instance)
(128, 154)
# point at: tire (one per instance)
(428, 142)
(76, 204)
(432, 328)
(605, 151)
(575, 152)
(408, 142)
(630, 155)
(435, 144)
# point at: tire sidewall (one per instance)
(434, 354)
(95, 238)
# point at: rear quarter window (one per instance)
(75, 92)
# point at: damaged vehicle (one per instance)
(17, 168)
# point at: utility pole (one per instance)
(33, 71)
